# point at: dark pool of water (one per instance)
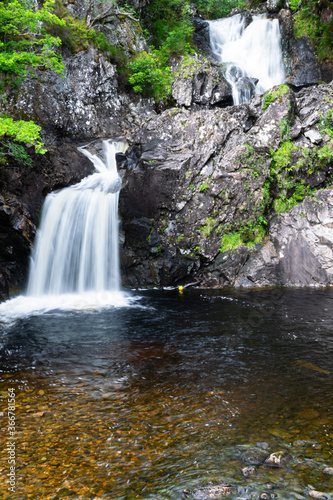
(144, 402)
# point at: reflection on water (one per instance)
(143, 402)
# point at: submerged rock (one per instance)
(212, 492)
(254, 457)
(278, 459)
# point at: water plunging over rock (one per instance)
(77, 243)
(251, 53)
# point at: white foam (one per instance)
(25, 306)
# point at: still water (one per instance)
(150, 399)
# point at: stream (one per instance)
(156, 395)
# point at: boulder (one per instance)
(200, 82)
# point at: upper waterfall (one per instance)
(76, 247)
(250, 53)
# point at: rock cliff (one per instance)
(206, 174)
(194, 174)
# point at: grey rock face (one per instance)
(274, 5)
(300, 61)
(200, 83)
(125, 33)
(194, 182)
(83, 104)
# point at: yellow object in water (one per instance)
(180, 289)
(311, 366)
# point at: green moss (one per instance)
(204, 186)
(270, 97)
(307, 23)
(326, 123)
(247, 236)
(282, 156)
(207, 229)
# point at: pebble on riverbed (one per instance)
(254, 457)
(319, 494)
(249, 471)
(278, 459)
(328, 470)
(213, 492)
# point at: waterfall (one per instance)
(251, 54)
(76, 248)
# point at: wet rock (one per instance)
(263, 445)
(304, 68)
(192, 177)
(301, 249)
(249, 471)
(274, 5)
(304, 442)
(265, 496)
(201, 37)
(309, 414)
(300, 61)
(319, 494)
(212, 492)
(124, 33)
(254, 457)
(278, 459)
(200, 82)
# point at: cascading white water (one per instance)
(76, 247)
(248, 52)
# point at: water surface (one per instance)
(146, 400)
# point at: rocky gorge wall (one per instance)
(193, 173)
(205, 174)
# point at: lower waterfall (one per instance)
(251, 53)
(76, 247)
(75, 261)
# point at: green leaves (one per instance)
(149, 75)
(22, 131)
(24, 42)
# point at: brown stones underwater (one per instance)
(184, 392)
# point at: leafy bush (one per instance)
(307, 22)
(8, 148)
(170, 24)
(149, 75)
(22, 131)
(24, 41)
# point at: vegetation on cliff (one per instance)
(24, 45)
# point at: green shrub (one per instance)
(149, 75)
(307, 23)
(24, 42)
(22, 131)
(248, 235)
